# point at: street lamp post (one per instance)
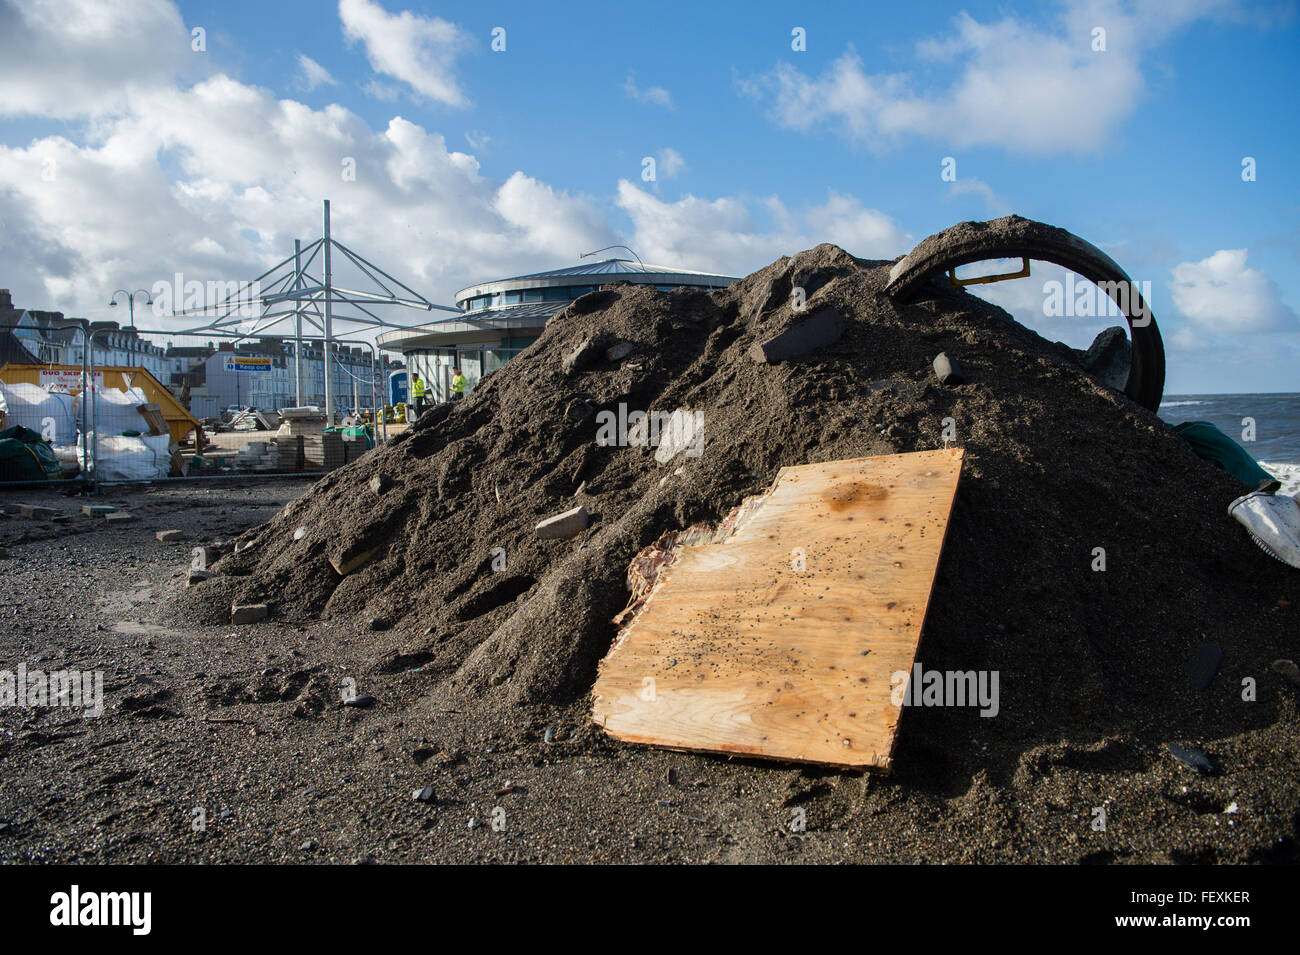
(130, 304)
(130, 300)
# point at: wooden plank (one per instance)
(740, 648)
(153, 418)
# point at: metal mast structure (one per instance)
(290, 291)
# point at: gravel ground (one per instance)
(174, 737)
(224, 744)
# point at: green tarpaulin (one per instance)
(1213, 445)
(24, 456)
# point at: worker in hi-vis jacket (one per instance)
(417, 392)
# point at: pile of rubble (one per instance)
(1089, 559)
(437, 530)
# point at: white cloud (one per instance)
(1189, 340)
(726, 235)
(1027, 300)
(549, 219)
(478, 140)
(1010, 83)
(72, 58)
(217, 180)
(651, 95)
(418, 51)
(311, 74)
(670, 163)
(384, 92)
(1222, 294)
(994, 204)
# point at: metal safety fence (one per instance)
(86, 405)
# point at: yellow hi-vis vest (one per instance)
(418, 388)
(458, 383)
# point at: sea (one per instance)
(1276, 420)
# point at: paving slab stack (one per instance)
(289, 456)
(324, 451)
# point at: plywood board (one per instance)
(782, 639)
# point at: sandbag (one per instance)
(1273, 521)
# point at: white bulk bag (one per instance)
(116, 457)
(53, 416)
(114, 410)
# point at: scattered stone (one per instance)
(683, 431)
(197, 577)
(948, 369)
(344, 565)
(474, 823)
(361, 700)
(35, 510)
(1108, 358)
(618, 351)
(1191, 758)
(1288, 669)
(1203, 665)
(300, 533)
(579, 409)
(168, 537)
(563, 526)
(248, 613)
(549, 735)
(119, 517)
(824, 327)
(424, 794)
(591, 348)
(308, 846)
(380, 483)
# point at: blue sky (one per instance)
(474, 163)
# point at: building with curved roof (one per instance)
(501, 318)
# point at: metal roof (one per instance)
(613, 267)
(531, 316)
(605, 271)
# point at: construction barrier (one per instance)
(119, 423)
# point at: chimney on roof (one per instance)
(6, 301)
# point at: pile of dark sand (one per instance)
(1093, 665)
